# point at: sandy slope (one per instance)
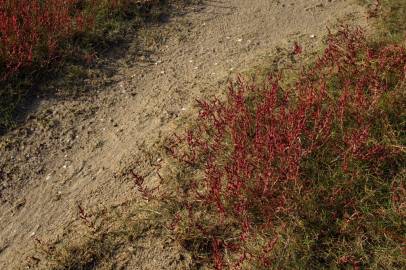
(73, 151)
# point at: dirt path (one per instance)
(72, 152)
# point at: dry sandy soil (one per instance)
(73, 151)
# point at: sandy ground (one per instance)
(73, 151)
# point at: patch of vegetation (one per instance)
(304, 175)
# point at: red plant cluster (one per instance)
(31, 30)
(256, 146)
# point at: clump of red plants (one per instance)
(31, 31)
(260, 154)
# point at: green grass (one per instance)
(393, 20)
(390, 24)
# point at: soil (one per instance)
(74, 151)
